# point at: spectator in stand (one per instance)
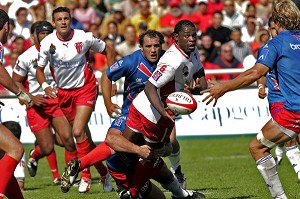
(208, 47)
(85, 14)
(22, 24)
(250, 10)
(116, 16)
(249, 30)
(263, 10)
(114, 34)
(219, 33)
(261, 38)
(214, 6)
(188, 6)
(159, 7)
(99, 7)
(130, 7)
(75, 24)
(240, 49)
(38, 12)
(18, 46)
(225, 60)
(109, 4)
(232, 18)
(17, 4)
(200, 17)
(169, 20)
(145, 16)
(130, 44)
(50, 6)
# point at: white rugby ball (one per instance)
(181, 103)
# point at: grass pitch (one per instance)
(221, 168)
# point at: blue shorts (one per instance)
(119, 123)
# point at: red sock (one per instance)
(53, 164)
(13, 189)
(70, 156)
(96, 156)
(142, 174)
(7, 168)
(37, 154)
(83, 148)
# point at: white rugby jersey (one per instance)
(69, 59)
(174, 69)
(19, 172)
(26, 67)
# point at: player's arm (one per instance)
(40, 76)
(110, 55)
(261, 84)
(200, 83)
(244, 79)
(125, 143)
(106, 87)
(37, 100)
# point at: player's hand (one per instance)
(113, 110)
(51, 92)
(262, 91)
(38, 100)
(168, 114)
(164, 151)
(24, 99)
(215, 92)
(144, 152)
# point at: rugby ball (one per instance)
(181, 103)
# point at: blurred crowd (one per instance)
(230, 32)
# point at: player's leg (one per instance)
(13, 153)
(11, 190)
(44, 148)
(293, 155)
(279, 152)
(174, 158)
(260, 147)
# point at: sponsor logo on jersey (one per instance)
(113, 67)
(78, 46)
(66, 44)
(296, 37)
(156, 75)
(295, 46)
(263, 54)
(120, 62)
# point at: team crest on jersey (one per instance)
(263, 54)
(34, 63)
(185, 71)
(156, 75)
(52, 49)
(78, 46)
(113, 67)
(118, 122)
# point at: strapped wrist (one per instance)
(45, 85)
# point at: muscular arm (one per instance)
(151, 92)
(110, 55)
(40, 76)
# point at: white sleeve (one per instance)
(21, 67)
(97, 44)
(44, 53)
(20, 169)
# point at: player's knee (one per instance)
(46, 149)
(17, 151)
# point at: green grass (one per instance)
(222, 168)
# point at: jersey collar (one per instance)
(181, 51)
(69, 38)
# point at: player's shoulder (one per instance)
(29, 53)
(172, 56)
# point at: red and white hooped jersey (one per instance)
(26, 67)
(174, 69)
(69, 59)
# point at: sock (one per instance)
(293, 154)
(83, 148)
(53, 164)
(13, 189)
(7, 168)
(174, 160)
(175, 188)
(37, 154)
(142, 174)
(279, 151)
(100, 153)
(70, 156)
(267, 168)
(101, 168)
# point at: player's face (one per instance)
(4, 32)
(62, 22)
(43, 34)
(151, 48)
(186, 39)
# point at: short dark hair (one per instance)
(33, 26)
(3, 18)
(181, 24)
(60, 9)
(21, 9)
(14, 127)
(151, 34)
(270, 20)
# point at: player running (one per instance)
(281, 56)
(46, 112)
(9, 144)
(67, 51)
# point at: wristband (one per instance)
(45, 85)
(260, 86)
(23, 96)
